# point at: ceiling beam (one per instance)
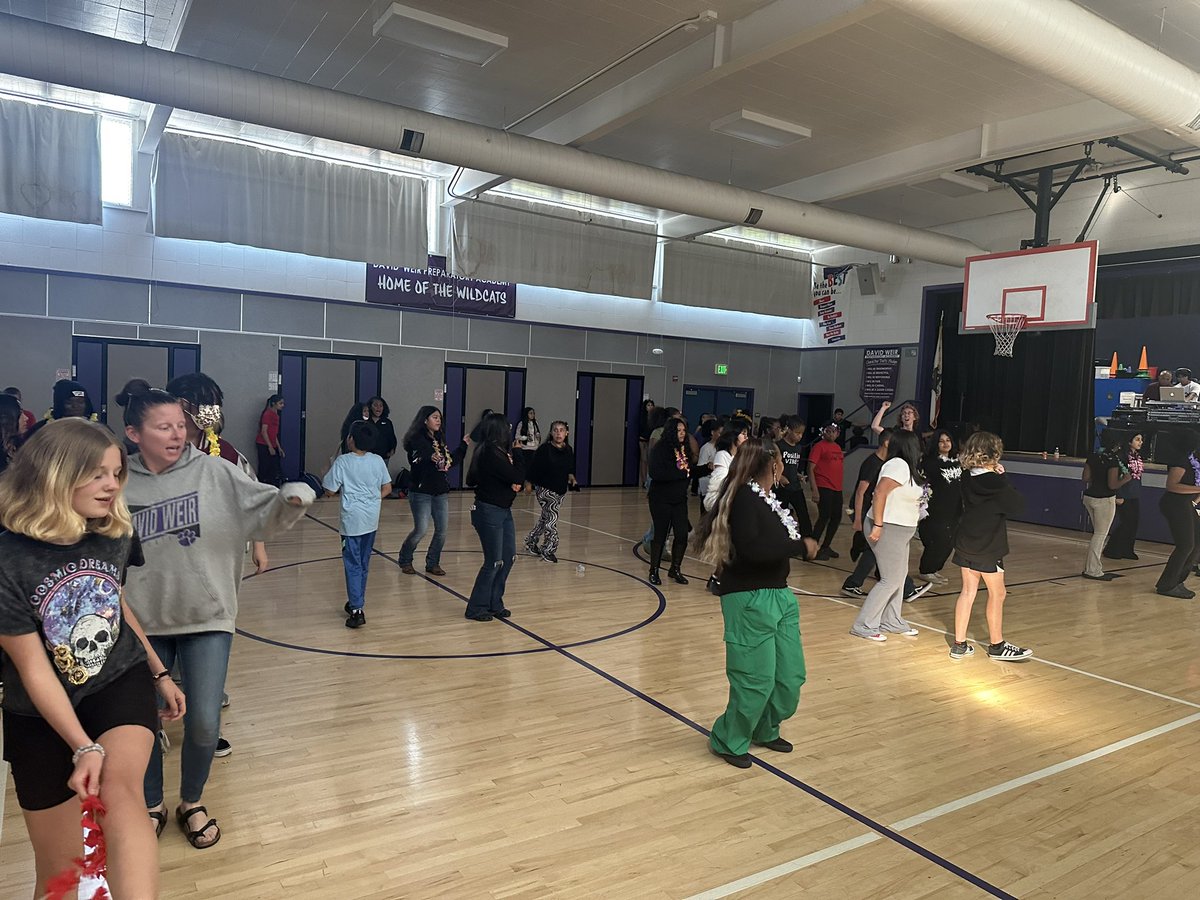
(753, 39)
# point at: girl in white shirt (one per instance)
(735, 434)
(901, 497)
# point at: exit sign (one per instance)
(721, 369)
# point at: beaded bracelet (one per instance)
(86, 748)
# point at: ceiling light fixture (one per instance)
(757, 128)
(427, 31)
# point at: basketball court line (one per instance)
(876, 827)
(811, 859)
(1048, 662)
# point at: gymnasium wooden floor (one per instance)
(562, 753)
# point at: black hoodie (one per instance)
(988, 501)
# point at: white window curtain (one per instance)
(710, 273)
(512, 240)
(49, 162)
(210, 190)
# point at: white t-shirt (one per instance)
(721, 461)
(903, 504)
(706, 456)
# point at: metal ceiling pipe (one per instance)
(1077, 47)
(78, 59)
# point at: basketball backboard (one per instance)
(1053, 287)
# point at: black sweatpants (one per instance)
(937, 534)
(829, 515)
(1124, 530)
(1181, 518)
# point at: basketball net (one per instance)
(1005, 328)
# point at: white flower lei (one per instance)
(779, 509)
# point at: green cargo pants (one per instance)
(764, 662)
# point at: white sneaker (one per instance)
(931, 578)
(909, 632)
(873, 636)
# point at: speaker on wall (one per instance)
(870, 280)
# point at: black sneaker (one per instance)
(1006, 651)
(823, 554)
(532, 549)
(224, 748)
(356, 619)
(1179, 592)
(739, 760)
(833, 554)
(958, 651)
(549, 556)
(779, 745)
(856, 592)
(918, 593)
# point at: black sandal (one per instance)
(195, 837)
(159, 817)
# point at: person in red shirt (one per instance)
(28, 419)
(270, 451)
(825, 476)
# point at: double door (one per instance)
(103, 366)
(699, 399)
(469, 391)
(319, 390)
(606, 429)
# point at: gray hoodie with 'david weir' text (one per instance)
(194, 520)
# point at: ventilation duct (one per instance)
(1070, 44)
(77, 59)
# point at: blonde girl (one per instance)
(982, 543)
(80, 676)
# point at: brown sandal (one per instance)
(195, 837)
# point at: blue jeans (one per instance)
(423, 506)
(356, 558)
(498, 538)
(203, 660)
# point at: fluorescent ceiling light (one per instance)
(439, 34)
(757, 128)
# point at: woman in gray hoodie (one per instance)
(194, 513)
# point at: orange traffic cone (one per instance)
(1143, 369)
(1112, 370)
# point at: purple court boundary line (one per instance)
(863, 819)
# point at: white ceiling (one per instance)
(891, 100)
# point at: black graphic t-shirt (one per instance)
(793, 458)
(70, 596)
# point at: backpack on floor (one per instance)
(313, 482)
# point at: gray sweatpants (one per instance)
(881, 610)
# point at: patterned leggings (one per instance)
(547, 522)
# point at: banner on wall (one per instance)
(880, 376)
(435, 288)
(827, 292)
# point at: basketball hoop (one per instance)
(1005, 328)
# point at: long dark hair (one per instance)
(566, 440)
(669, 442)
(523, 425)
(387, 412)
(644, 414)
(272, 400)
(495, 436)
(418, 426)
(712, 539)
(931, 445)
(906, 445)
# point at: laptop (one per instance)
(1172, 395)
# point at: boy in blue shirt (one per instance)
(361, 479)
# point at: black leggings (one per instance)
(1181, 518)
(937, 534)
(669, 516)
(1124, 530)
(829, 515)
